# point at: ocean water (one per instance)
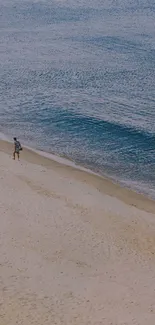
(77, 79)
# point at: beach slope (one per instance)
(74, 248)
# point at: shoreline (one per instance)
(135, 187)
(103, 184)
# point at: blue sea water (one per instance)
(77, 79)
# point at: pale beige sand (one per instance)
(74, 248)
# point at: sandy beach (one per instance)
(74, 247)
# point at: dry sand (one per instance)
(74, 248)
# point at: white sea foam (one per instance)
(3, 137)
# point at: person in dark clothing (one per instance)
(17, 148)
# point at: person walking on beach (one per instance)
(17, 148)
